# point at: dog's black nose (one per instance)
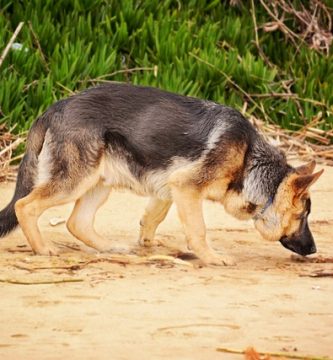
(313, 249)
(298, 247)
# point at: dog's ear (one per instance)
(306, 169)
(301, 183)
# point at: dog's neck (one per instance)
(266, 167)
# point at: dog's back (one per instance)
(153, 125)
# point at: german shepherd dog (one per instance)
(169, 147)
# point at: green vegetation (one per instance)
(207, 49)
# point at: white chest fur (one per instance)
(116, 173)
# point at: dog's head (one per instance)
(286, 218)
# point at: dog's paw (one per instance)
(47, 250)
(218, 260)
(145, 242)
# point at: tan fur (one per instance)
(282, 219)
(189, 205)
(81, 221)
(155, 213)
(29, 209)
(188, 193)
(301, 183)
(188, 197)
(237, 206)
(217, 190)
(306, 169)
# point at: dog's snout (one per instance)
(301, 242)
(298, 245)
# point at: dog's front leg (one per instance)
(155, 213)
(189, 204)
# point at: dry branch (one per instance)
(277, 355)
(36, 40)
(319, 273)
(8, 143)
(10, 43)
(313, 24)
(38, 282)
(298, 145)
(113, 259)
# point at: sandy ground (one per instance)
(160, 310)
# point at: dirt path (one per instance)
(160, 310)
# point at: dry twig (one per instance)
(296, 144)
(234, 84)
(10, 43)
(278, 355)
(319, 273)
(8, 143)
(38, 282)
(36, 40)
(102, 78)
(313, 24)
(114, 259)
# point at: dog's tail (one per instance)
(26, 173)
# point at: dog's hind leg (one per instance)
(29, 208)
(155, 213)
(81, 221)
(189, 204)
